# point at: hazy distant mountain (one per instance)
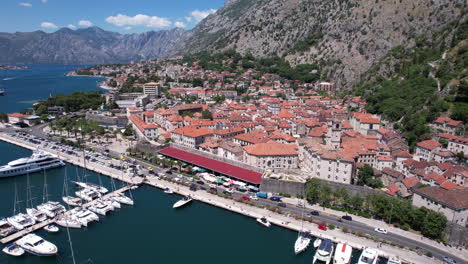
(85, 46)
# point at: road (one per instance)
(292, 209)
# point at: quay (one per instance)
(285, 221)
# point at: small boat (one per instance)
(88, 194)
(121, 198)
(343, 254)
(84, 216)
(51, 209)
(72, 201)
(112, 203)
(6, 228)
(317, 242)
(37, 215)
(2, 92)
(13, 250)
(92, 186)
(36, 245)
(68, 221)
(182, 202)
(21, 221)
(302, 242)
(168, 191)
(369, 256)
(51, 228)
(324, 252)
(394, 260)
(263, 221)
(100, 208)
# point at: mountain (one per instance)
(344, 37)
(85, 46)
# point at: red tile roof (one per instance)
(429, 144)
(17, 115)
(410, 182)
(271, 148)
(192, 132)
(214, 165)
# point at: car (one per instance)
(275, 198)
(200, 182)
(253, 197)
(229, 191)
(226, 192)
(315, 213)
(282, 205)
(449, 260)
(322, 227)
(347, 217)
(245, 198)
(380, 230)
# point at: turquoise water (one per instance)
(24, 87)
(148, 232)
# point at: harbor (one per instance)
(251, 212)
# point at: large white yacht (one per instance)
(343, 254)
(34, 244)
(84, 216)
(324, 252)
(369, 256)
(37, 162)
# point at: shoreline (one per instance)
(234, 206)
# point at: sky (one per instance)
(124, 16)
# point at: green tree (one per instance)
(207, 115)
(4, 117)
(434, 225)
(364, 175)
(313, 189)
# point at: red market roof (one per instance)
(214, 165)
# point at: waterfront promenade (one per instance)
(247, 210)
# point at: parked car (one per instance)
(347, 217)
(322, 227)
(275, 198)
(226, 192)
(315, 213)
(282, 205)
(380, 230)
(449, 260)
(200, 182)
(245, 198)
(253, 197)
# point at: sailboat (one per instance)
(19, 221)
(87, 185)
(69, 200)
(51, 209)
(303, 238)
(120, 197)
(37, 215)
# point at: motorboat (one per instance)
(36, 245)
(394, 260)
(88, 194)
(100, 208)
(92, 186)
(343, 253)
(112, 203)
(168, 191)
(324, 252)
(369, 256)
(68, 221)
(51, 209)
(121, 198)
(72, 201)
(317, 242)
(37, 215)
(302, 242)
(51, 228)
(6, 228)
(263, 221)
(13, 250)
(21, 221)
(84, 216)
(39, 161)
(182, 202)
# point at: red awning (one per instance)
(214, 165)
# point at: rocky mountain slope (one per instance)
(85, 46)
(345, 37)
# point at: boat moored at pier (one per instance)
(36, 245)
(38, 161)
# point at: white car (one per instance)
(253, 197)
(380, 230)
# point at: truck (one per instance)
(263, 195)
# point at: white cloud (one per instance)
(25, 4)
(139, 20)
(180, 24)
(189, 19)
(44, 1)
(48, 25)
(85, 23)
(199, 15)
(128, 28)
(70, 26)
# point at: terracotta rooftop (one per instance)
(271, 148)
(429, 144)
(455, 199)
(192, 132)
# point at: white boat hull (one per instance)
(8, 172)
(265, 224)
(14, 250)
(301, 244)
(181, 203)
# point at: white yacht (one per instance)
(13, 250)
(182, 202)
(21, 221)
(6, 228)
(263, 221)
(92, 186)
(394, 260)
(343, 254)
(37, 215)
(72, 201)
(88, 194)
(68, 221)
(302, 242)
(100, 208)
(369, 256)
(51, 209)
(84, 216)
(121, 198)
(324, 252)
(51, 228)
(111, 202)
(34, 244)
(168, 191)
(37, 162)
